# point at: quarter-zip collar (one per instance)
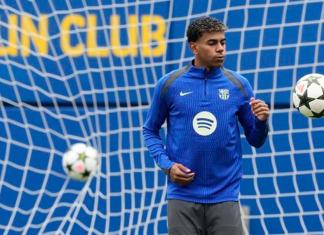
(201, 72)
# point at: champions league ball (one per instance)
(80, 161)
(308, 95)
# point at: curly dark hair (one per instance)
(202, 25)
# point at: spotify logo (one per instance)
(204, 123)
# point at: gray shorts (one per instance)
(196, 218)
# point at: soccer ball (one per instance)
(80, 161)
(308, 95)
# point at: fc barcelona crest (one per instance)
(223, 94)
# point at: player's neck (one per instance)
(199, 64)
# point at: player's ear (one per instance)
(193, 47)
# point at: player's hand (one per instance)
(180, 174)
(260, 109)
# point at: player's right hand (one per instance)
(180, 174)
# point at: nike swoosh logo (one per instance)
(185, 93)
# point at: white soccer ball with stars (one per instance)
(80, 161)
(308, 95)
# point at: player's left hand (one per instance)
(260, 109)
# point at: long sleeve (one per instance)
(156, 116)
(255, 130)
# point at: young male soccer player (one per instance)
(203, 104)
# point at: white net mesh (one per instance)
(84, 71)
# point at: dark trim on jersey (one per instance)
(172, 78)
(234, 80)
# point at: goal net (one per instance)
(84, 71)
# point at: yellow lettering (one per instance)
(66, 25)
(93, 49)
(132, 34)
(152, 36)
(148, 36)
(11, 49)
(30, 32)
(131, 49)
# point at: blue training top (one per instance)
(202, 109)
